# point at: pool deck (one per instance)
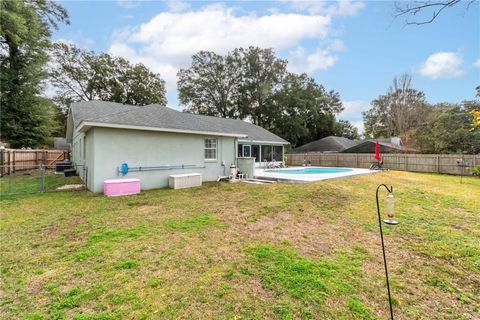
(268, 174)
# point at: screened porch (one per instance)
(261, 152)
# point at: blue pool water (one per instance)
(313, 170)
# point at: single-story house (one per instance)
(327, 144)
(162, 141)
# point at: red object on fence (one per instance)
(377, 151)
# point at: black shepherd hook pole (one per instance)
(390, 190)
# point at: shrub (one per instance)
(476, 171)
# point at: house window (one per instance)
(210, 149)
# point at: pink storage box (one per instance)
(121, 187)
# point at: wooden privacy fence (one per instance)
(440, 163)
(12, 160)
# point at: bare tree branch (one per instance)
(413, 9)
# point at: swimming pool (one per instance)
(312, 170)
(308, 174)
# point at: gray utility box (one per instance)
(246, 165)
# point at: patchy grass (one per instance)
(283, 251)
(192, 223)
(304, 284)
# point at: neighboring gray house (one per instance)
(387, 145)
(104, 135)
(327, 144)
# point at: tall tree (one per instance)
(345, 129)
(263, 74)
(449, 130)
(211, 85)
(25, 28)
(304, 111)
(396, 112)
(254, 84)
(80, 75)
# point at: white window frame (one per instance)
(205, 148)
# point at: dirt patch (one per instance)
(50, 231)
(68, 187)
(312, 236)
(36, 283)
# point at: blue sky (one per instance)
(353, 47)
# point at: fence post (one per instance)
(42, 178)
(2, 162)
(356, 159)
(14, 160)
(9, 163)
(438, 163)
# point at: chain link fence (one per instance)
(23, 179)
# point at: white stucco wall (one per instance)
(107, 149)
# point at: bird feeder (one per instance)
(390, 210)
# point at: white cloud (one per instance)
(337, 45)
(477, 63)
(301, 61)
(167, 42)
(443, 65)
(82, 42)
(359, 125)
(340, 8)
(353, 109)
(353, 112)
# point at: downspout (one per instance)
(235, 150)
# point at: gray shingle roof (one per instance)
(327, 144)
(156, 116)
(368, 146)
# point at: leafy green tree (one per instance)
(254, 84)
(304, 110)
(449, 130)
(263, 75)
(24, 38)
(345, 129)
(80, 75)
(211, 86)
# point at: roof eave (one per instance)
(86, 125)
(262, 141)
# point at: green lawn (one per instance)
(241, 251)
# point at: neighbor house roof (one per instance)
(327, 144)
(368, 146)
(158, 118)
